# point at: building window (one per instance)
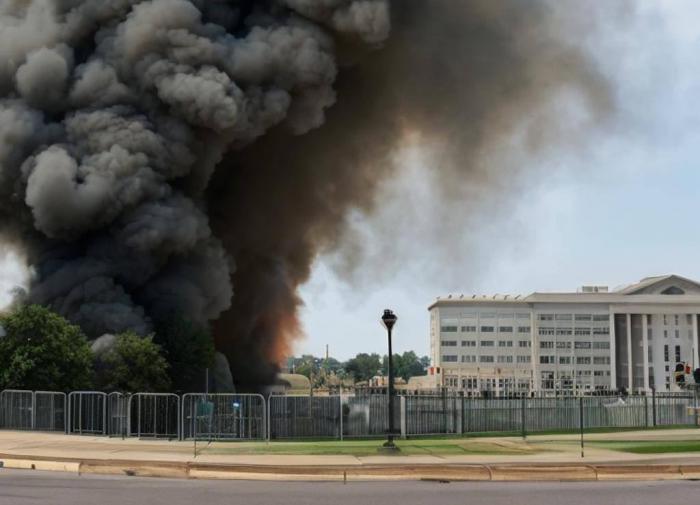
(486, 359)
(449, 358)
(505, 343)
(666, 354)
(448, 329)
(488, 315)
(468, 343)
(545, 344)
(676, 319)
(582, 345)
(678, 333)
(601, 360)
(524, 359)
(505, 359)
(689, 318)
(522, 315)
(469, 359)
(601, 345)
(665, 319)
(665, 333)
(601, 317)
(649, 319)
(582, 317)
(449, 343)
(546, 317)
(678, 354)
(546, 360)
(563, 331)
(650, 355)
(506, 329)
(487, 329)
(546, 331)
(564, 360)
(583, 360)
(603, 330)
(487, 343)
(523, 329)
(468, 329)
(524, 343)
(582, 331)
(563, 317)
(564, 345)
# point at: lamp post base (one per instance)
(389, 447)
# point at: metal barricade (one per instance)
(87, 413)
(224, 416)
(50, 412)
(368, 415)
(154, 415)
(305, 417)
(118, 414)
(432, 415)
(17, 409)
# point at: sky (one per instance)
(625, 209)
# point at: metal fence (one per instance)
(154, 415)
(224, 416)
(252, 417)
(87, 413)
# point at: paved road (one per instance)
(29, 488)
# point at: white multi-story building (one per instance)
(591, 340)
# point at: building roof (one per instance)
(658, 289)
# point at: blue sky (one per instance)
(625, 209)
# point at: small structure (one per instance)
(291, 384)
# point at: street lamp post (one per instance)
(389, 320)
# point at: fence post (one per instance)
(646, 411)
(463, 413)
(581, 421)
(33, 409)
(522, 417)
(653, 406)
(340, 412)
(402, 409)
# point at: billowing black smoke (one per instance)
(130, 129)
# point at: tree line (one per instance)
(360, 368)
(40, 350)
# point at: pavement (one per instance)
(553, 458)
(51, 488)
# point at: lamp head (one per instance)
(389, 319)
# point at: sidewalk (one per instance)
(550, 457)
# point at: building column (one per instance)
(645, 351)
(630, 375)
(696, 361)
(613, 359)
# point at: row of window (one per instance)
(578, 344)
(573, 317)
(580, 360)
(485, 329)
(603, 330)
(452, 358)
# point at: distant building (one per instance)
(594, 339)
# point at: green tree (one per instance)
(406, 365)
(189, 350)
(363, 366)
(132, 364)
(40, 350)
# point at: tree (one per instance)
(132, 364)
(40, 350)
(406, 365)
(363, 366)
(189, 350)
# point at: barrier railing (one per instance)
(224, 416)
(154, 415)
(87, 413)
(252, 417)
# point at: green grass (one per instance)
(370, 447)
(650, 446)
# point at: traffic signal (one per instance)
(679, 375)
(696, 375)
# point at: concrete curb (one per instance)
(443, 473)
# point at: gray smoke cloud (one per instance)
(158, 155)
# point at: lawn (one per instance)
(650, 446)
(445, 447)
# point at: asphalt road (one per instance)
(28, 488)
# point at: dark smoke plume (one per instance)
(157, 156)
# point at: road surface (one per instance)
(29, 488)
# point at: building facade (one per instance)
(591, 340)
